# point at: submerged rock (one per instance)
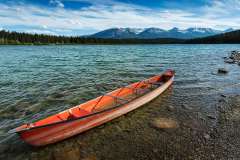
(223, 95)
(170, 108)
(206, 136)
(155, 150)
(58, 95)
(164, 123)
(222, 71)
(184, 106)
(230, 61)
(211, 117)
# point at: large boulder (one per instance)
(230, 61)
(235, 55)
(164, 123)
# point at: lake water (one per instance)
(37, 81)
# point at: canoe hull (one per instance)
(51, 134)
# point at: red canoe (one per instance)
(94, 112)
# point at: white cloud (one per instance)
(218, 14)
(40, 31)
(223, 8)
(58, 3)
(44, 26)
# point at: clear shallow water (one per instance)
(37, 81)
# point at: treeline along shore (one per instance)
(17, 38)
(41, 39)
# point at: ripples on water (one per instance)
(37, 81)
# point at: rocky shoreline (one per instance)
(233, 58)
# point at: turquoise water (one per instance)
(37, 81)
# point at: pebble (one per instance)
(206, 136)
(155, 150)
(222, 95)
(221, 100)
(170, 108)
(184, 106)
(211, 117)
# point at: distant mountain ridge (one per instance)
(8, 38)
(152, 33)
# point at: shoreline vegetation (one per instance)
(17, 38)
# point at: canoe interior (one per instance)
(110, 100)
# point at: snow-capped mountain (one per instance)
(229, 30)
(151, 33)
(118, 33)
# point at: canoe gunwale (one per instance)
(78, 118)
(73, 119)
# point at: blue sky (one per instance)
(81, 17)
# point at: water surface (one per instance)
(37, 81)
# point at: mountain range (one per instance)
(8, 38)
(153, 33)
